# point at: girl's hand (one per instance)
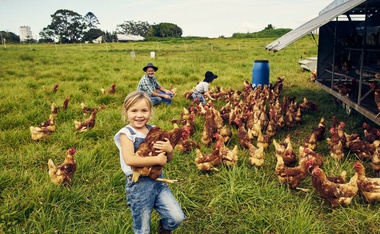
(163, 146)
(161, 159)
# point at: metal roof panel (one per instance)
(324, 17)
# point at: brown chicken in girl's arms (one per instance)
(146, 149)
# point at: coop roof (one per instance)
(333, 10)
(129, 37)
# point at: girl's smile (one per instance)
(139, 114)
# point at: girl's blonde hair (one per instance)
(132, 98)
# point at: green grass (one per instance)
(241, 199)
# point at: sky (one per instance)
(205, 18)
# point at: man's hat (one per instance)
(150, 65)
(209, 76)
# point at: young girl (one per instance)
(146, 194)
(202, 88)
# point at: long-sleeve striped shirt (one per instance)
(148, 84)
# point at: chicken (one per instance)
(335, 145)
(298, 115)
(307, 105)
(311, 141)
(63, 173)
(361, 148)
(187, 145)
(146, 149)
(54, 89)
(271, 129)
(350, 138)
(375, 159)
(208, 162)
(336, 149)
(263, 140)
(292, 175)
(340, 179)
(376, 96)
(320, 130)
(289, 118)
(369, 188)
(174, 90)
(335, 193)
(242, 134)
(370, 133)
(38, 133)
(346, 88)
(44, 129)
(226, 133)
(341, 133)
(256, 155)
(316, 157)
(229, 157)
(210, 128)
(112, 90)
(88, 110)
(285, 150)
(55, 109)
(86, 124)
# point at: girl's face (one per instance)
(150, 71)
(139, 114)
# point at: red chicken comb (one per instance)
(72, 150)
(310, 162)
(357, 164)
(316, 170)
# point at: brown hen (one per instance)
(335, 193)
(64, 172)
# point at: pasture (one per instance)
(239, 199)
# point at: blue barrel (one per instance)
(260, 73)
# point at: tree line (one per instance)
(70, 27)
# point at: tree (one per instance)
(47, 36)
(91, 20)
(110, 36)
(135, 28)
(67, 25)
(92, 34)
(9, 37)
(270, 26)
(165, 30)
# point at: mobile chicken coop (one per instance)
(348, 63)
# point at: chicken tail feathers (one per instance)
(51, 165)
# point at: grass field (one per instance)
(241, 199)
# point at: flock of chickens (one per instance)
(63, 173)
(255, 116)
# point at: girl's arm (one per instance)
(209, 96)
(165, 147)
(131, 159)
